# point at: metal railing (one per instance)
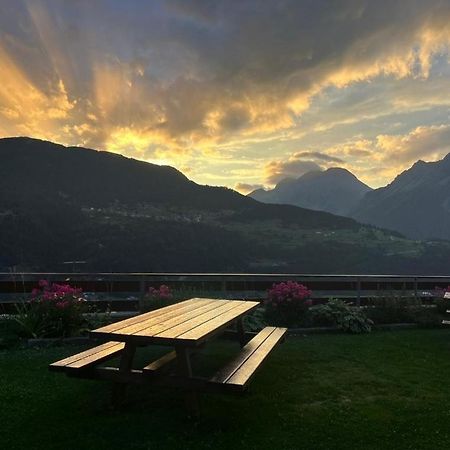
(125, 290)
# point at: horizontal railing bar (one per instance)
(9, 276)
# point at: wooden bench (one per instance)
(88, 358)
(238, 372)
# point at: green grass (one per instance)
(387, 390)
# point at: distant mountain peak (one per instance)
(334, 190)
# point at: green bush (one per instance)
(255, 321)
(350, 319)
(393, 309)
(8, 332)
(442, 304)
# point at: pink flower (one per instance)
(163, 292)
(43, 283)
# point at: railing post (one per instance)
(224, 288)
(142, 289)
(358, 289)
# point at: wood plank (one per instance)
(160, 362)
(224, 374)
(216, 324)
(113, 327)
(164, 314)
(248, 368)
(153, 328)
(132, 320)
(187, 325)
(86, 353)
(97, 357)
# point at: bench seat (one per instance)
(160, 363)
(238, 372)
(88, 358)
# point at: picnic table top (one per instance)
(188, 323)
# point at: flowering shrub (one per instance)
(157, 298)
(440, 292)
(287, 303)
(441, 301)
(54, 310)
(162, 293)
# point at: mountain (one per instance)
(334, 190)
(416, 203)
(115, 213)
(32, 170)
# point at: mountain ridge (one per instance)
(416, 203)
(120, 214)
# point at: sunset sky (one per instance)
(234, 93)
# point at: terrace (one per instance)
(321, 391)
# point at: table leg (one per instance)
(126, 361)
(241, 332)
(185, 370)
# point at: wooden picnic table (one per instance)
(185, 326)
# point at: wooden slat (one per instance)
(113, 327)
(108, 348)
(205, 329)
(446, 322)
(193, 322)
(97, 357)
(164, 314)
(153, 327)
(224, 374)
(248, 368)
(180, 319)
(161, 362)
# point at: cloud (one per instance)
(422, 142)
(245, 188)
(276, 171)
(176, 80)
(197, 73)
(319, 156)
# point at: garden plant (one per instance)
(54, 310)
(287, 304)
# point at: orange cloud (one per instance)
(246, 188)
(182, 92)
(424, 141)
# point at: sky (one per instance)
(234, 93)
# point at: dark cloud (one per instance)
(319, 156)
(246, 65)
(358, 153)
(155, 79)
(235, 119)
(293, 168)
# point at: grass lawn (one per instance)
(386, 390)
